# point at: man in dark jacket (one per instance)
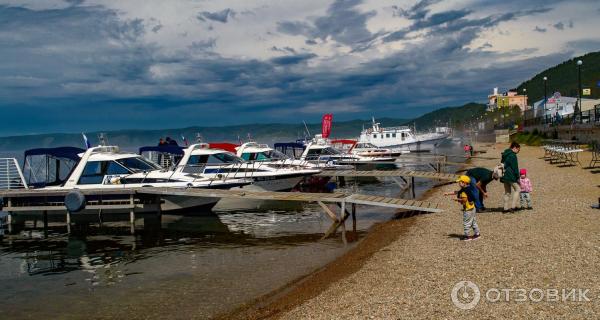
(511, 177)
(482, 177)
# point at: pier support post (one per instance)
(132, 213)
(45, 218)
(68, 221)
(354, 217)
(412, 186)
(9, 220)
(343, 221)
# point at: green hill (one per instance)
(455, 117)
(563, 78)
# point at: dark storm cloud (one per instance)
(293, 59)
(85, 68)
(343, 23)
(219, 16)
(456, 22)
(418, 11)
(559, 26)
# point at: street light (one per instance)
(545, 92)
(578, 108)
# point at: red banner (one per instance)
(326, 125)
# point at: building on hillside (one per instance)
(562, 105)
(506, 99)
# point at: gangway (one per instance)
(16, 201)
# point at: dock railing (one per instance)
(11, 176)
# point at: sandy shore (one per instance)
(408, 267)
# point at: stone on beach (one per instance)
(554, 246)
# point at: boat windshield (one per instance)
(217, 158)
(138, 164)
(270, 155)
(365, 145)
(330, 151)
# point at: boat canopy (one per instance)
(71, 153)
(223, 146)
(50, 166)
(171, 149)
(290, 149)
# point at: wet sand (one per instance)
(407, 268)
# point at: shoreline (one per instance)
(554, 246)
(284, 299)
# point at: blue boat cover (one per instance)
(171, 149)
(59, 152)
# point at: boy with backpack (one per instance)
(466, 197)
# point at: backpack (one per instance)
(499, 170)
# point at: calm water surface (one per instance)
(178, 266)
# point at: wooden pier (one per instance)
(149, 198)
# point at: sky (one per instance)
(87, 65)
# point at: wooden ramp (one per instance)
(299, 196)
(389, 173)
(44, 201)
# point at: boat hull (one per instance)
(415, 146)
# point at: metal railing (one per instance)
(11, 176)
(590, 117)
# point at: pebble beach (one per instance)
(408, 267)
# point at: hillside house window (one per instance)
(387, 135)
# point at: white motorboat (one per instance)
(401, 138)
(106, 167)
(367, 151)
(213, 163)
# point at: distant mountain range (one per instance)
(563, 78)
(264, 133)
(455, 117)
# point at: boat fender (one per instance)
(75, 201)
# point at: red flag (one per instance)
(326, 125)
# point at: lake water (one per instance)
(178, 266)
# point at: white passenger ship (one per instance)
(401, 138)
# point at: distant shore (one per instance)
(407, 268)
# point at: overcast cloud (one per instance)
(108, 64)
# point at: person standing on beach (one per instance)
(526, 189)
(511, 177)
(466, 197)
(482, 177)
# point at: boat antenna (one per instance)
(102, 138)
(306, 127)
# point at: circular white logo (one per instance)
(465, 295)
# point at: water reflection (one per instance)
(211, 255)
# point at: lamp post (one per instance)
(578, 108)
(545, 94)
